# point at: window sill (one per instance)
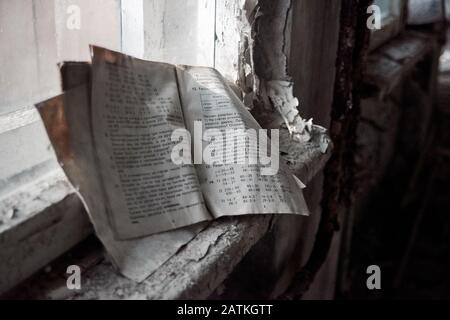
(390, 63)
(193, 272)
(46, 218)
(390, 28)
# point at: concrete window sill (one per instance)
(46, 218)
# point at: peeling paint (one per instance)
(274, 102)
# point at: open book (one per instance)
(141, 142)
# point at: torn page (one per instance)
(107, 145)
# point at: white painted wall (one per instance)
(133, 28)
(28, 57)
(100, 25)
(229, 28)
(180, 32)
(36, 37)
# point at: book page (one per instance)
(135, 109)
(235, 176)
